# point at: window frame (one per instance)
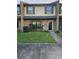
(36, 24)
(18, 11)
(33, 11)
(51, 11)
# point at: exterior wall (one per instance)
(40, 11)
(27, 22)
(54, 25)
(45, 24)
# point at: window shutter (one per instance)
(26, 10)
(33, 9)
(45, 10)
(52, 9)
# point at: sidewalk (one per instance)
(57, 38)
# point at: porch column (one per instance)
(57, 11)
(22, 21)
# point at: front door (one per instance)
(50, 25)
(17, 24)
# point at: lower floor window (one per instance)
(36, 25)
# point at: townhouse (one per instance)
(47, 16)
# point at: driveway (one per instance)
(39, 51)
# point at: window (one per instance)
(60, 9)
(30, 10)
(36, 25)
(48, 9)
(18, 10)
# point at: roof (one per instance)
(37, 17)
(36, 1)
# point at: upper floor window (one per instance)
(30, 10)
(48, 10)
(60, 9)
(18, 10)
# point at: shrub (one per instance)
(45, 30)
(57, 32)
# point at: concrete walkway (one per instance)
(57, 38)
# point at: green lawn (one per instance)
(34, 37)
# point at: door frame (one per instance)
(49, 25)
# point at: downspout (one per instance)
(22, 21)
(57, 15)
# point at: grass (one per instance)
(34, 37)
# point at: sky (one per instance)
(36, 1)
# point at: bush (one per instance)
(18, 30)
(26, 29)
(57, 32)
(45, 30)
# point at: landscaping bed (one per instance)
(34, 37)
